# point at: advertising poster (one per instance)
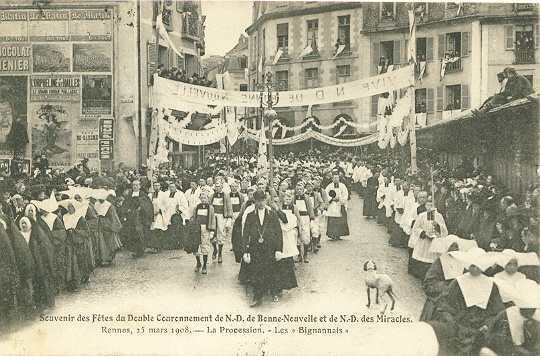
(106, 149)
(13, 114)
(15, 58)
(5, 167)
(92, 57)
(51, 57)
(96, 94)
(13, 26)
(52, 132)
(49, 25)
(106, 129)
(87, 144)
(91, 25)
(20, 166)
(55, 88)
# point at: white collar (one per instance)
(71, 220)
(102, 208)
(135, 194)
(476, 290)
(26, 235)
(515, 324)
(49, 220)
(452, 268)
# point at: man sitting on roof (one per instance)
(516, 87)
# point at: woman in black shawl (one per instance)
(42, 251)
(9, 280)
(80, 237)
(25, 267)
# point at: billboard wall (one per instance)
(56, 84)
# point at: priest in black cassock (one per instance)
(263, 238)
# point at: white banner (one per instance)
(171, 92)
(366, 140)
(198, 137)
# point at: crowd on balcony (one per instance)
(180, 75)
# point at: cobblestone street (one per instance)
(332, 283)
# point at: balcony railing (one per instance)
(453, 67)
(524, 56)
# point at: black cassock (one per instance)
(262, 242)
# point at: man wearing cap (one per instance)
(317, 203)
(176, 212)
(192, 195)
(158, 227)
(428, 226)
(237, 201)
(307, 215)
(221, 202)
(338, 197)
(262, 239)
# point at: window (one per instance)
(180, 62)
(420, 101)
(524, 44)
(282, 79)
(312, 31)
(452, 47)
(343, 73)
(387, 52)
(164, 56)
(311, 78)
(344, 32)
(420, 10)
(453, 44)
(524, 7)
(388, 10)
(283, 36)
(421, 49)
(453, 97)
(243, 87)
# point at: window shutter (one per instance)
(397, 52)
(508, 37)
(536, 28)
(441, 46)
(429, 100)
(374, 105)
(440, 99)
(465, 43)
(429, 48)
(465, 102)
(404, 52)
(376, 54)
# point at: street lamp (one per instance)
(270, 115)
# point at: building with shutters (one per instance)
(480, 39)
(308, 45)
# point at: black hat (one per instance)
(259, 195)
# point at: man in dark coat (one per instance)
(263, 237)
(140, 213)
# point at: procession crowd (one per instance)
(472, 245)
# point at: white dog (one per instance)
(381, 282)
